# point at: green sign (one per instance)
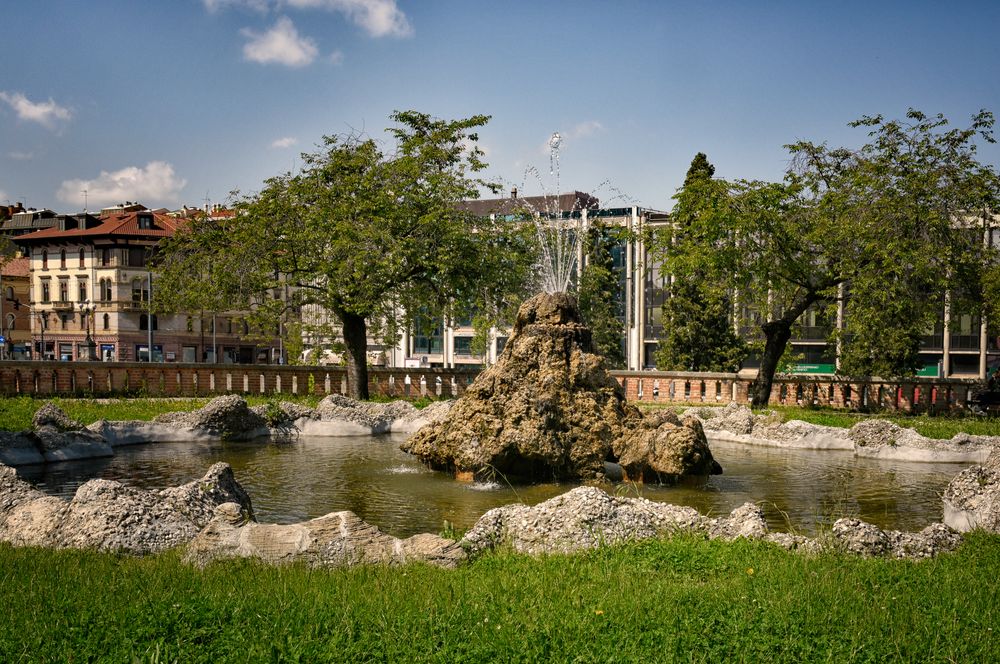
(814, 368)
(930, 371)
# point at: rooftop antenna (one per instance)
(85, 201)
(208, 202)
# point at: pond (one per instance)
(800, 490)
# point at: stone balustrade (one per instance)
(175, 379)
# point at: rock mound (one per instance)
(227, 417)
(972, 498)
(111, 516)
(548, 409)
(587, 517)
(51, 416)
(378, 416)
(662, 448)
(335, 540)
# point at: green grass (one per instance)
(16, 412)
(680, 600)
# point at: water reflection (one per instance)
(799, 490)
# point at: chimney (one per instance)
(513, 192)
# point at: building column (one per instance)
(946, 338)
(640, 292)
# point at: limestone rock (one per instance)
(52, 416)
(548, 409)
(19, 449)
(583, 518)
(733, 418)
(334, 540)
(661, 448)
(227, 417)
(865, 539)
(747, 521)
(109, 515)
(875, 433)
(972, 498)
(377, 416)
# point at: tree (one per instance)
(361, 233)
(698, 332)
(896, 222)
(598, 295)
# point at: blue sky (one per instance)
(173, 102)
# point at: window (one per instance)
(45, 292)
(106, 322)
(106, 292)
(463, 346)
(45, 260)
(82, 262)
(82, 288)
(144, 322)
(62, 259)
(63, 320)
(189, 324)
(136, 257)
(145, 221)
(10, 322)
(10, 292)
(64, 290)
(105, 257)
(138, 292)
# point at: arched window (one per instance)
(45, 291)
(143, 322)
(62, 259)
(106, 290)
(45, 259)
(11, 320)
(81, 257)
(64, 290)
(107, 322)
(10, 292)
(82, 291)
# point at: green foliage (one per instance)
(899, 218)
(358, 234)
(682, 599)
(697, 315)
(599, 295)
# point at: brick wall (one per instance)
(174, 379)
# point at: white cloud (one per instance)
(46, 113)
(379, 18)
(281, 44)
(285, 142)
(156, 182)
(21, 156)
(336, 58)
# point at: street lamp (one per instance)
(86, 310)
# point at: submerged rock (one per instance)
(334, 540)
(548, 409)
(662, 448)
(109, 515)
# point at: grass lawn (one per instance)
(686, 599)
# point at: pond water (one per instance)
(800, 490)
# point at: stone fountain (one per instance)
(549, 410)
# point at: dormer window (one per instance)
(145, 221)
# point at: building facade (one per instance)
(90, 290)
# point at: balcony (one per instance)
(133, 305)
(62, 305)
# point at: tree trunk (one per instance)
(356, 340)
(776, 336)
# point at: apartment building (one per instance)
(91, 285)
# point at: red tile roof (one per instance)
(113, 226)
(15, 267)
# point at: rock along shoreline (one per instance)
(214, 518)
